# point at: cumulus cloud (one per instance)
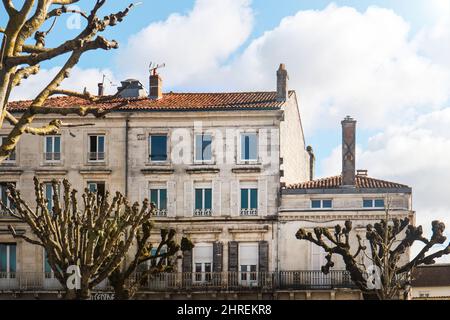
(191, 45)
(78, 80)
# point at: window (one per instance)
(203, 201)
(48, 189)
(4, 196)
(203, 261)
(203, 147)
(7, 260)
(158, 148)
(12, 155)
(248, 263)
(98, 187)
(373, 203)
(96, 148)
(321, 204)
(52, 148)
(249, 147)
(424, 294)
(249, 202)
(159, 198)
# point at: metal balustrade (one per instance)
(195, 282)
(160, 213)
(202, 212)
(249, 212)
(96, 156)
(52, 156)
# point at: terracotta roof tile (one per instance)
(363, 182)
(170, 102)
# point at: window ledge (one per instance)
(247, 169)
(203, 169)
(95, 171)
(158, 170)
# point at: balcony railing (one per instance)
(160, 213)
(96, 156)
(202, 212)
(249, 211)
(192, 281)
(4, 213)
(52, 156)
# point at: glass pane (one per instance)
(244, 198)
(253, 268)
(101, 143)
(48, 195)
(3, 258)
(198, 267)
(163, 199)
(154, 196)
(57, 147)
(315, 204)
(249, 146)
(326, 203)
(244, 147)
(253, 198)
(12, 258)
(198, 147)
(243, 268)
(208, 198)
(379, 203)
(48, 144)
(198, 199)
(47, 268)
(207, 267)
(207, 147)
(93, 143)
(101, 188)
(367, 203)
(4, 193)
(92, 187)
(158, 148)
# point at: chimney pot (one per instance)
(348, 151)
(101, 89)
(282, 83)
(155, 86)
(312, 160)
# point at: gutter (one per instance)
(127, 127)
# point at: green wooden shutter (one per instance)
(263, 256)
(233, 256)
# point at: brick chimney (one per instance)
(282, 83)
(155, 86)
(312, 160)
(348, 151)
(101, 89)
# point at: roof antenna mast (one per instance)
(154, 67)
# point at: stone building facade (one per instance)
(230, 170)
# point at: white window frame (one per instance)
(53, 148)
(97, 152)
(210, 259)
(248, 132)
(321, 204)
(373, 203)
(159, 186)
(8, 260)
(250, 278)
(3, 185)
(200, 161)
(203, 186)
(8, 159)
(248, 185)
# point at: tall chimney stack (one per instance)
(155, 86)
(101, 89)
(282, 83)
(348, 151)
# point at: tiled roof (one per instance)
(170, 102)
(363, 182)
(431, 276)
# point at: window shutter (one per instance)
(233, 255)
(234, 192)
(262, 197)
(171, 200)
(217, 256)
(187, 261)
(263, 254)
(217, 198)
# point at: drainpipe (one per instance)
(127, 128)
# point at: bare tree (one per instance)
(96, 238)
(19, 60)
(377, 269)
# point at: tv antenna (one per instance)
(154, 66)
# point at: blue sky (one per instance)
(384, 62)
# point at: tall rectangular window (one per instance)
(248, 263)
(96, 148)
(8, 265)
(158, 147)
(249, 201)
(203, 147)
(48, 189)
(249, 147)
(97, 186)
(203, 201)
(4, 191)
(52, 148)
(12, 155)
(159, 198)
(203, 262)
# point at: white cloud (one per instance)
(191, 45)
(78, 80)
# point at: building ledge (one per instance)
(10, 171)
(261, 229)
(95, 171)
(202, 169)
(54, 172)
(159, 170)
(247, 169)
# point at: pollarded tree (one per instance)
(382, 276)
(20, 59)
(96, 237)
